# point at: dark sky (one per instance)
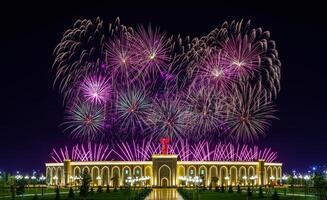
(31, 109)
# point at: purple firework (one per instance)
(151, 50)
(85, 121)
(169, 117)
(95, 89)
(80, 152)
(214, 72)
(241, 56)
(120, 58)
(133, 108)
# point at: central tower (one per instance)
(164, 170)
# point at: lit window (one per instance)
(126, 171)
(202, 172)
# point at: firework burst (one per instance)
(227, 78)
(249, 113)
(206, 106)
(151, 50)
(169, 116)
(95, 89)
(85, 121)
(213, 72)
(133, 108)
(241, 56)
(120, 58)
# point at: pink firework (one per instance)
(214, 72)
(241, 55)
(80, 152)
(151, 50)
(120, 58)
(136, 152)
(95, 89)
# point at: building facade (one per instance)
(165, 171)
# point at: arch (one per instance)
(126, 172)
(115, 172)
(53, 174)
(223, 171)
(233, 175)
(181, 170)
(275, 173)
(165, 174)
(279, 173)
(251, 172)
(77, 171)
(95, 172)
(86, 169)
(269, 174)
(59, 175)
(203, 174)
(105, 175)
(48, 175)
(77, 175)
(191, 171)
(164, 182)
(213, 175)
(148, 172)
(242, 173)
(137, 171)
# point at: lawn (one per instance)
(208, 195)
(50, 195)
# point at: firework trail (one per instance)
(143, 151)
(227, 78)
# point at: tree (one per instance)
(85, 186)
(115, 182)
(260, 192)
(214, 180)
(320, 185)
(230, 189)
(222, 189)
(99, 189)
(71, 193)
(248, 191)
(239, 190)
(92, 191)
(57, 197)
(275, 196)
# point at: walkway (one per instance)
(164, 194)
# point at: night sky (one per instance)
(31, 109)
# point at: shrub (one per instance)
(92, 191)
(248, 191)
(99, 189)
(35, 197)
(239, 190)
(275, 196)
(230, 189)
(260, 192)
(108, 189)
(222, 188)
(86, 180)
(57, 197)
(71, 193)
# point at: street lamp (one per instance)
(55, 178)
(99, 180)
(272, 179)
(244, 179)
(227, 179)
